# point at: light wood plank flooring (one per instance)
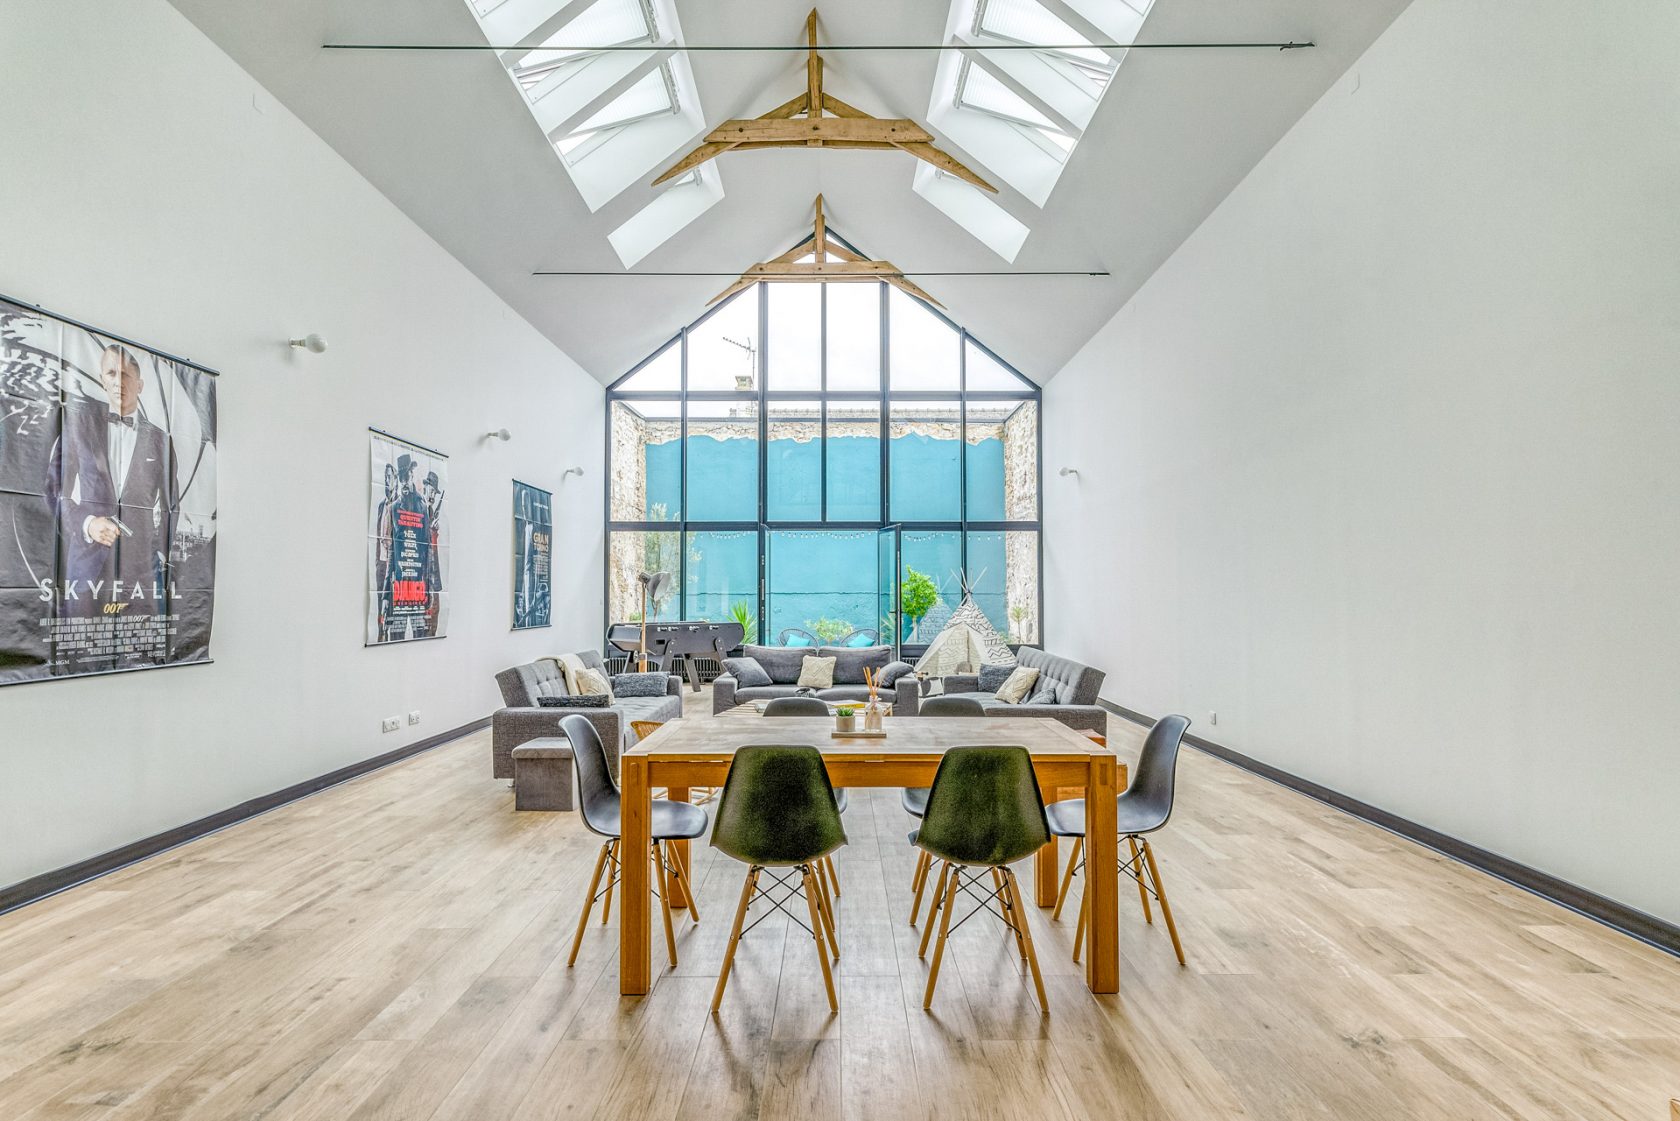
(395, 948)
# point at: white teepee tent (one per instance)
(967, 640)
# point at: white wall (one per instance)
(1382, 464)
(151, 188)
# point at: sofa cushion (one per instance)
(746, 672)
(846, 693)
(782, 663)
(592, 681)
(888, 677)
(1042, 697)
(659, 708)
(850, 662)
(993, 677)
(764, 693)
(816, 672)
(583, 700)
(639, 684)
(1020, 683)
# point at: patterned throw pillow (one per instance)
(748, 674)
(1012, 690)
(993, 677)
(588, 700)
(593, 681)
(1045, 696)
(817, 673)
(639, 684)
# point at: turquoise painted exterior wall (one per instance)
(831, 574)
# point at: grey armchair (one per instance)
(523, 719)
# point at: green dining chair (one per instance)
(984, 810)
(777, 815)
(914, 798)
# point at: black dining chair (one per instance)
(984, 810)
(777, 811)
(601, 808)
(1142, 808)
(811, 706)
(797, 706)
(914, 798)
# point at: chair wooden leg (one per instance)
(612, 861)
(588, 903)
(1005, 902)
(833, 876)
(1084, 916)
(1161, 894)
(662, 890)
(938, 897)
(918, 883)
(747, 887)
(944, 929)
(813, 894)
(825, 909)
(1067, 877)
(1143, 892)
(687, 889)
(1024, 931)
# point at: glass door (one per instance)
(888, 545)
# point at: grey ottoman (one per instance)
(542, 775)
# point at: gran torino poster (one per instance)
(408, 541)
(107, 502)
(533, 548)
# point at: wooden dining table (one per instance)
(688, 753)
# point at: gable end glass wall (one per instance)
(826, 463)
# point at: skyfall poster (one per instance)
(107, 502)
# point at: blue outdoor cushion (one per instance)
(798, 640)
(861, 638)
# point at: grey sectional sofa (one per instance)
(783, 663)
(523, 719)
(1075, 686)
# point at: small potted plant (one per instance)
(845, 719)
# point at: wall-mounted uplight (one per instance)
(314, 344)
(501, 434)
(1066, 471)
(578, 471)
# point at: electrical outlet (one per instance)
(414, 717)
(389, 724)
(1213, 718)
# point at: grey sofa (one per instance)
(523, 719)
(783, 664)
(1076, 687)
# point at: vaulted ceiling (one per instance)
(453, 140)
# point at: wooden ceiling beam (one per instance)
(800, 123)
(844, 267)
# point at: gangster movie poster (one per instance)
(533, 546)
(408, 542)
(107, 502)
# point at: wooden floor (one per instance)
(396, 948)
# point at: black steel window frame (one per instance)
(762, 397)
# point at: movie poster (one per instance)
(408, 541)
(533, 544)
(107, 502)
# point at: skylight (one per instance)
(1021, 112)
(612, 114)
(654, 95)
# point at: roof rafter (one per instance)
(845, 267)
(800, 123)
